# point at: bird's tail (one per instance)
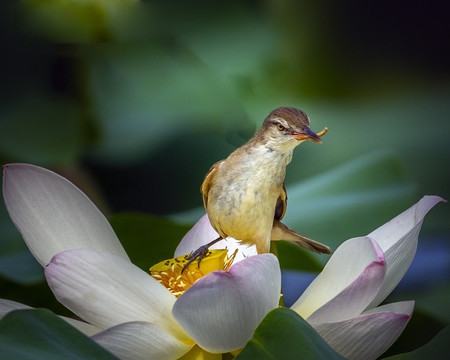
(282, 232)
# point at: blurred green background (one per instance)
(134, 101)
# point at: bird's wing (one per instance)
(280, 208)
(204, 189)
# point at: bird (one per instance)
(245, 196)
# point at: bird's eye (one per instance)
(280, 127)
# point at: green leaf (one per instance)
(283, 334)
(40, 334)
(147, 239)
(435, 349)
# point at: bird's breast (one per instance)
(243, 195)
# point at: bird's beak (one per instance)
(307, 134)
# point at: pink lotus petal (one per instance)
(53, 215)
(221, 310)
(106, 290)
(200, 234)
(140, 340)
(367, 336)
(398, 239)
(348, 283)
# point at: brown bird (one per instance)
(244, 195)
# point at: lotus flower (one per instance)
(134, 316)
(342, 302)
(125, 309)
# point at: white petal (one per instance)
(398, 240)
(105, 290)
(82, 326)
(53, 215)
(348, 283)
(231, 244)
(367, 336)
(221, 310)
(141, 341)
(202, 233)
(7, 306)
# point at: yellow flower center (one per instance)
(168, 272)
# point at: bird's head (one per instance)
(287, 127)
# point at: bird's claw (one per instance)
(198, 254)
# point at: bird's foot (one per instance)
(198, 254)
